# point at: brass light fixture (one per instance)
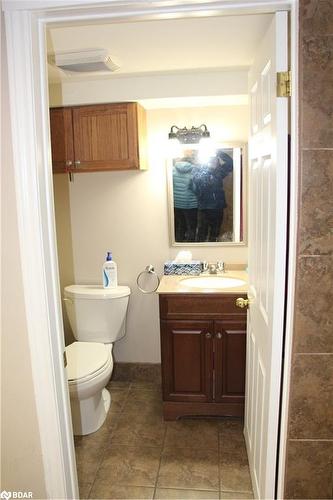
(189, 136)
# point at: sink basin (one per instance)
(212, 282)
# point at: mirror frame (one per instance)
(171, 224)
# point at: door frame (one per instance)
(26, 21)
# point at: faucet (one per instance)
(213, 268)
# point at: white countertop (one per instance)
(175, 283)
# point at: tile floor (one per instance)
(136, 454)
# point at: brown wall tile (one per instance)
(310, 453)
(311, 410)
(316, 210)
(317, 17)
(314, 305)
(309, 470)
(317, 92)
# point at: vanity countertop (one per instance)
(172, 284)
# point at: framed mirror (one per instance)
(207, 195)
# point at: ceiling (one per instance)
(164, 45)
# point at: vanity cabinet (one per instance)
(99, 137)
(203, 346)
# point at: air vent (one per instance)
(84, 61)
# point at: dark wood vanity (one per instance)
(203, 346)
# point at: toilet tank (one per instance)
(97, 314)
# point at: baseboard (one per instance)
(137, 372)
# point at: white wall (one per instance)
(134, 88)
(126, 212)
(21, 464)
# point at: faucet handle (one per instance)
(220, 266)
(204, 265)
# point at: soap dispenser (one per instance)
(110, 272)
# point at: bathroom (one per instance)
(104, 249)
(130, 212)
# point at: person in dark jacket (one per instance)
(185, 201)
(208, 186)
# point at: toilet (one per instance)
(97, 317)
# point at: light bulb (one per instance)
(207, 149)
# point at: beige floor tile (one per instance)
(143, 402)
(90, 448)
(118, 400)
(87, 470)
(139, 430)
(235, 495)
(174, 494)
(234, 457)
(105, 489)
(189, 468)
(148, 386)
(118, 385)
(235, 477)
(84, 490)
(194, 433)
(231, 426)
(132, 466)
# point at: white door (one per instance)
(268, 179)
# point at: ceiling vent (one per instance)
(85, 61)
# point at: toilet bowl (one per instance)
(98, 318)
(89, 368)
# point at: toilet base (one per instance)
(88, 415)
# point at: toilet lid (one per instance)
(86, 358)
(96, 292)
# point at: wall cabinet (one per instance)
(203, 345)
(99, 137)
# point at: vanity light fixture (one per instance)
(189, 136)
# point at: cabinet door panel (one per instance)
(187, 360)
(105, 137)
(61, 127)
(230, 358)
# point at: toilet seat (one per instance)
(86, 360)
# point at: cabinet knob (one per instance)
(69, 163)
(218, 335)
(242, 303)
(208, 335)
(77, 163)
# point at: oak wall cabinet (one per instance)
(203, 346)
(98, 137)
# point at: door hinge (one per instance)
(283, 87)
(65, 359)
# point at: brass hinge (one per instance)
(283, 88)
(65, 359)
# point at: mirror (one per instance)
(206, 195)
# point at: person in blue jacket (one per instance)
(185, 201)
(208, 186)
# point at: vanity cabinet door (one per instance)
(230, 357)
(61, 139)
(108, 137)
(187, 360)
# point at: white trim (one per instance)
(33, 182)
(292, 261)
(25, 27)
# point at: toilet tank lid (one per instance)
(96, 292)
(86, 358)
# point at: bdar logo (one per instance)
(5, 494)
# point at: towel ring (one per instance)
(149, 270)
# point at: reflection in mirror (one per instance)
(206, 199)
